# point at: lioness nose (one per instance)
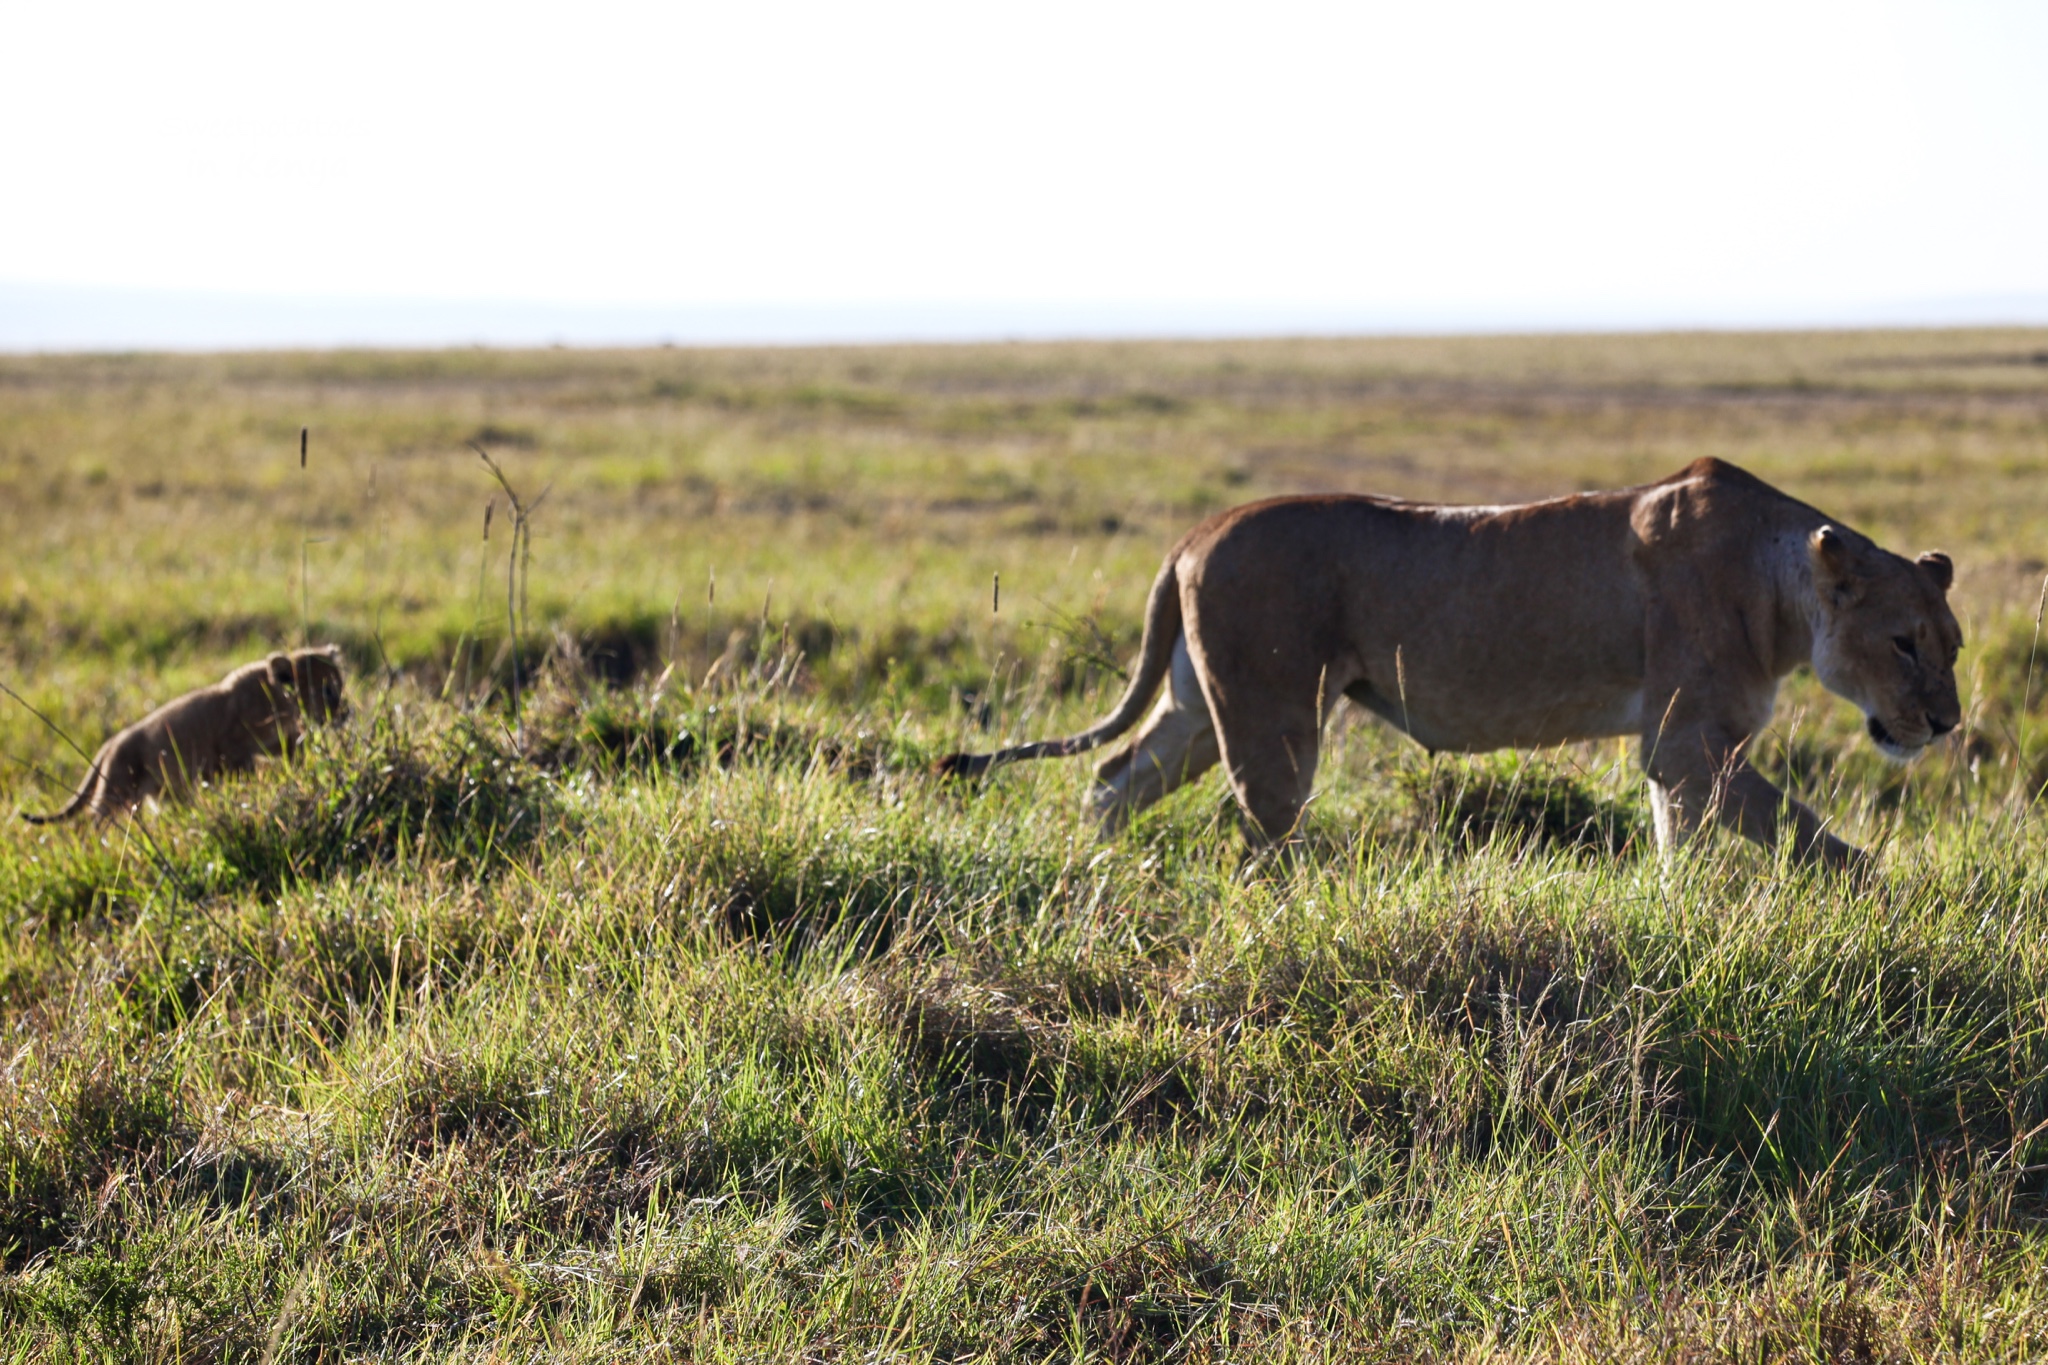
(1939, 725)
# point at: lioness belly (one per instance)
(1475, 629)
(1474, 724)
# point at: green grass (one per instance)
(698, 1019)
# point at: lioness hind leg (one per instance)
(1173, 750)
(1270, 730)
(1176, 746)
(1273, 770)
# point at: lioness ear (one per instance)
(1939, 567)
(1830, 553)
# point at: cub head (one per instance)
(311, 679)
(1885, 639)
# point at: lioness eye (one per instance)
(1904, 644)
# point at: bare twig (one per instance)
(54, 728)
(516, 563)
(2022, 781)
(305, 540)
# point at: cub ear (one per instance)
(1939, 567)
(281, 669)
(332, 651)
(1829, 550)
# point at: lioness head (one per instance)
(312, 678)
(1885, 639)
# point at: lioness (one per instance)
(1668, 611)
(257, 709)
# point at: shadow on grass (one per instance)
(1515, 801)
(92, 1121)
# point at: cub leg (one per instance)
(127, 778)
(173, 774)
(1176, 746)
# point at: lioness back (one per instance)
(1471, 628)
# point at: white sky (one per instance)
(1637, 162)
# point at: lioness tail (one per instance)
(1155, 656)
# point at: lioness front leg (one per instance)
(1754, 806)
(1706, 771)
(1675, 821)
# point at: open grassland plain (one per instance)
(689, 1015)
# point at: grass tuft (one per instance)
(458, 794)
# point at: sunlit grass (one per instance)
(697, 1016)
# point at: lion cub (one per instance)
(257, 709)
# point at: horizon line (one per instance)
(87, 319)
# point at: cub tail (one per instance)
(78, 804)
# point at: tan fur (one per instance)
(1669, 612)
(260, 708)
